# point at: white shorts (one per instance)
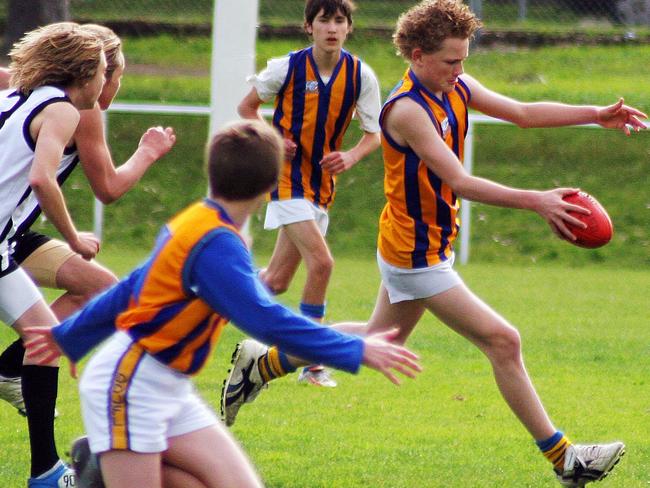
(404, 284)
(285, 212)
(18, 293)
(129, 400)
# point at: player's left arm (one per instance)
(4, 78)
(367, 111)
(552, 114)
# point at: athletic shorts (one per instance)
(403, 284)
(131, 401)
(41, 257)
(285, 212)
(18, 293)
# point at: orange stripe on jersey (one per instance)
(164, 317)
(119, 418)
(315, 115)
(419, 222)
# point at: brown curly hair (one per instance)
(61, 54)
(427, 24)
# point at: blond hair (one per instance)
(427, 24)
(112, 46)
(60, 54)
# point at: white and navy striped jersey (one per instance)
(17, 111)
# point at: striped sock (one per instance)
(554, 449)
(274, 364)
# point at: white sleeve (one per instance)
(369, 103)
(269, 81)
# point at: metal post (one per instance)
(98, 212)
(465, 205)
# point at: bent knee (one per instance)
(322, 266)
(504, 344)
(275, 283)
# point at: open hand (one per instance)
(622, 117)
(384, 356)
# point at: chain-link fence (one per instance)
(536, 15)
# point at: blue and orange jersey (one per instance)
(419, 222)
(315, 115)
(164, 316)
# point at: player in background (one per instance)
(55, 71)
(316, 91)
(169, 314)
(50, 262)
(424, 123)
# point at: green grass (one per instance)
(585, 339)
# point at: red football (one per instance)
(599, 229)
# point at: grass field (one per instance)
(585, 341)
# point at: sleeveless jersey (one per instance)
(315, 116)
(419, 221)
(28, 209)
(164, 316)
(17, 154)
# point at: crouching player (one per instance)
(169, 314)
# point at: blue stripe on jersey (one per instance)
(453, 125)
(412, 197)
(298, 104)
(443, 214)
(279, 111)
(166, 356)
(37, 110)
(4, 116)
(164, 315)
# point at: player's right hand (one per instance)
(86, 244)
(158, 141)
(382, 355)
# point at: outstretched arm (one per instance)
(223, 276)
(552, 114)
(409, 125)
(108, 182)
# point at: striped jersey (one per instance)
(164, 316)
(17, 201)
(315, 115)
(419, 221)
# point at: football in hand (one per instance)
(599, 228)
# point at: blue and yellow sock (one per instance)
(554, 449)
(274, 364)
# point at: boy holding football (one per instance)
(424, 122)
(316, 91)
